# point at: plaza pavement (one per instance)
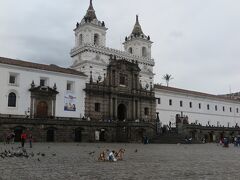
(70, 161)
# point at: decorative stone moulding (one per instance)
(109, 51)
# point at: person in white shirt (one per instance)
(111, 156)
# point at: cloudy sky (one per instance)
(196, 41)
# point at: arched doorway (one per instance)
(122, 112)
(102, 135)
(210, 136)
(78, 135)
(18, 131)
(50, 135)
(42, 109)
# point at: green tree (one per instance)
(167, 78)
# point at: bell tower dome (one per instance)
(138, 43)
(90, 30)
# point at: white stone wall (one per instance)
(136, 45)
(88, 31)
(93, 62)
(167, 113)
(26, 76)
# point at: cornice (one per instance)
(109, 51)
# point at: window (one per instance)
(69, 86)
(158, 100)
(216, 108)
(130, 50)
(97, 107)
(170, 102)
(144, 51)
(12, 99)
(122, 79)
(230, 109)
(96, 39)
(208, 107)
(43, 81)
(181, 103)
(223, 108)
(190, 104)
(199, 105)
(146, 111)
(13, 79)
(80, 39)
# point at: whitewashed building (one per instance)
(38, 90)
(206, 109)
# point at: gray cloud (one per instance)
(195, 41)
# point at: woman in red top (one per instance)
(23, 138)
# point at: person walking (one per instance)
(13, 137)
(23, 138)
(30, 138)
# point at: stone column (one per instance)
(134, 109)
(137, 109)
(32, 107)
(111, 108)
(115, 108)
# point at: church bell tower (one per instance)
(138, 43)
(90, 33)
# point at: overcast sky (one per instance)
(196, 41)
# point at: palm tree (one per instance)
(167, 78)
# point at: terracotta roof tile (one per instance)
(45, 67)
(196, 93)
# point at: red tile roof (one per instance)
(45, 67)
(196, 93)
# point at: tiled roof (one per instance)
(45, 67)
(194, 93)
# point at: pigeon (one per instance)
(38, 159)
(53, 154)
(38, 153)
(43, 154)
(136, 150)
(90, 153)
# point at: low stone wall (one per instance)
(70, 130)
(210, 134)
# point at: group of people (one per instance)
(24, 137)
(224, 142)
(10, 138)
(111, 156)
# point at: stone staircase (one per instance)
(171, 138)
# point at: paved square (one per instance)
(152, 161)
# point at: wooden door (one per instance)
(42, 109)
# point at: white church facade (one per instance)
(38, 90)
(31, 89)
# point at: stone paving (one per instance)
(153, 161)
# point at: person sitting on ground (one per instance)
(119, 154)
(111, 156)
(102, 156)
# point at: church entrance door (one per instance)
(50, 135)
(78, 135)
(122, 112)
(42, 109)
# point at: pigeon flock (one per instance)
(21, 153)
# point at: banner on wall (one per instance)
(69, 102)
